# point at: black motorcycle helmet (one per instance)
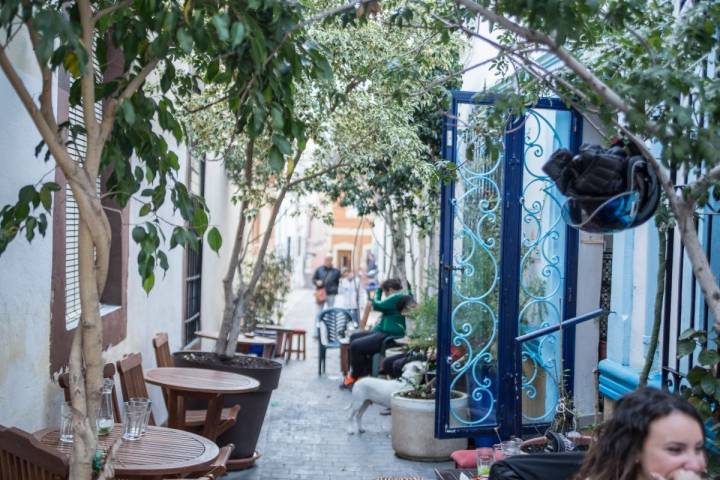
(607, 190)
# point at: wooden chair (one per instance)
(194, 419)
(108, 372)
(23, 457)
(132, 379)
(161, 345)
(219, 467)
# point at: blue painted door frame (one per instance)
(508, 403)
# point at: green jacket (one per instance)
(392, 321)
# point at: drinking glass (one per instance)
(146, 404)
(66, 426)
(484, 461)
(510, 448)
(133, 419)
(498, 453)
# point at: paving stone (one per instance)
(305, 436)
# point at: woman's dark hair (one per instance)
(404, 302)
(391, 284)
(620, 440)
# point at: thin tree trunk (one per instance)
(421, 287)
(397, 236)
(223, 345)
(413, 257)
(657, 320)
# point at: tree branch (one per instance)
(57, 149)
(46, 103)
(319, 173)
(87, 87)
(112, 9)
(563, 55)
(133, 85)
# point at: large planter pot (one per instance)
(413, 429)
(246, 431)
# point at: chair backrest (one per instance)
(23, 457)
(335, 322)
(162, 350)
(132, 378)
(108, 372)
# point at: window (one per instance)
(65, 299)
(193, 262)
(72, 225)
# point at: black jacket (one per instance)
(330, 278)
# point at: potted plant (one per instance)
(413, 410)
(270, 294)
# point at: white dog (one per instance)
(369, 390)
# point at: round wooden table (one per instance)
(201, 383)
(160, 452)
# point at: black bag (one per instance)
(608, 189)
(538, 466)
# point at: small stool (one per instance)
(290, 348)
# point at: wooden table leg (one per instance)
(174, 410)
(268, 351)
(280, 344)
(212, 420)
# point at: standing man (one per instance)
(327, 277)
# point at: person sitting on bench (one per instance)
(363, 345)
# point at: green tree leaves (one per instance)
(21, 217)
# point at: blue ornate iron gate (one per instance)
(507, 267)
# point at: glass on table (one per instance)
(146, 404)
(498, 453)
(133, 419)
(66, 423)
(485, 459)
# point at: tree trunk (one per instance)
(657, 321)
(413, 257)
(397, 238)
(223, 343)
(421, 287)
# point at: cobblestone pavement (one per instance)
(304, 435)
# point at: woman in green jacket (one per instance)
(363, 345)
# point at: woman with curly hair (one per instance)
(652, 435)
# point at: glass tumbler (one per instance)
(485, 459)
(66, 425)
(133, 419)
(146, 404)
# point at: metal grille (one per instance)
(76, 149)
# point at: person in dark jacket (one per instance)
(363, 345)
(327, 277)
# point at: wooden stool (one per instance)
(290, 348)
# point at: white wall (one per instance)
(224, 216)
(25, 269)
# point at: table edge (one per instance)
(183, 388)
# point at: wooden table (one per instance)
(244, 342)
(160, 452)
(454, 474)
(200, 383)
(281, 333)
